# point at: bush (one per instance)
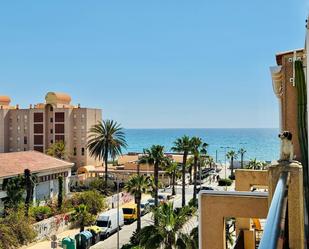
(41, 212)
(92, 199)
(232, 177)
(99, 185)
(18, 225)
(225, 182)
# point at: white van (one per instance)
(108, 222)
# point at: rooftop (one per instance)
(14, 163)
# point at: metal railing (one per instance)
(276, 225)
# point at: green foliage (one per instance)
(193, 203)
(58, 150)
(92, 199)
(225, 182)
(106, 140)
(302, 123)
(40, 212)
(169, 223)
(60, 192)
(82, 217)
(15, 189)
(18, 227)
(232, 177)
(100, 185)
(188, 241)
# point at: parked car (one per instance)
(151, 202)
(107, 221)
(129, 213)
(145, 207)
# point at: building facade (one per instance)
(43, 124)
(47, 169)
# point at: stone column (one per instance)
(295, 199)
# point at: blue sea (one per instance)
(262, 144)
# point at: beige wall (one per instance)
(246, 178)
(15, 124)
(216, 206)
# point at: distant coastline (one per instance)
(260, 143)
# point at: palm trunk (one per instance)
(173, 183)
(190, 173)
(82, 227)
(106, 168)
(242, 161)
(138, 203)
(232, 166)
(156, 181)
(183, 201)
(195, 177)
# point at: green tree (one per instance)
(232, 155)
(136, 186)
(29, 181)
(106, 139)
(188, 241)
(197, 149)
(58, 150)
(60, 192)
(155, 157)
(242, 152)
(92, 199)
(183, 145)
(15, 190)
(172, 170)
(82, 217)
(164, 233)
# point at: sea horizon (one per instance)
(260, 143)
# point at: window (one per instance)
(38, 128)
(38, 148)
(74, 151)
(59, 128)
(83, 151)
(25, 140)
(51, 141)
(51, 120)
(38, 139)
(51, 131)
(51, 108)
(59, 117)
(59, 138)
(38, 117)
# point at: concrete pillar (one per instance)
(295, 199)
(249, 239)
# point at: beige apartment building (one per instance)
(43, 124)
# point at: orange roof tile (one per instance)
(14, 163)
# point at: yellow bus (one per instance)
(129, 212)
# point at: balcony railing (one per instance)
(275, 231)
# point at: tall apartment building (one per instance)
(43, 124)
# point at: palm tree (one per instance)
(254, 164)
(172, 170)
(164, 233)
(232, 155)
(188, 241)
(155, 157)
(197, 148)
(82, 217)
(57, 150)
(183, 145)
(106, 140)
(138, 185)
(242, 152)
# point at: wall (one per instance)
(53, 225)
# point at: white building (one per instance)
(46, 168)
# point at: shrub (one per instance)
(99, 185)
(93, 200)
(41, 212)
(20, 226)
(225, 182)
(232, 177)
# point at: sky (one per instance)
(151, 64)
